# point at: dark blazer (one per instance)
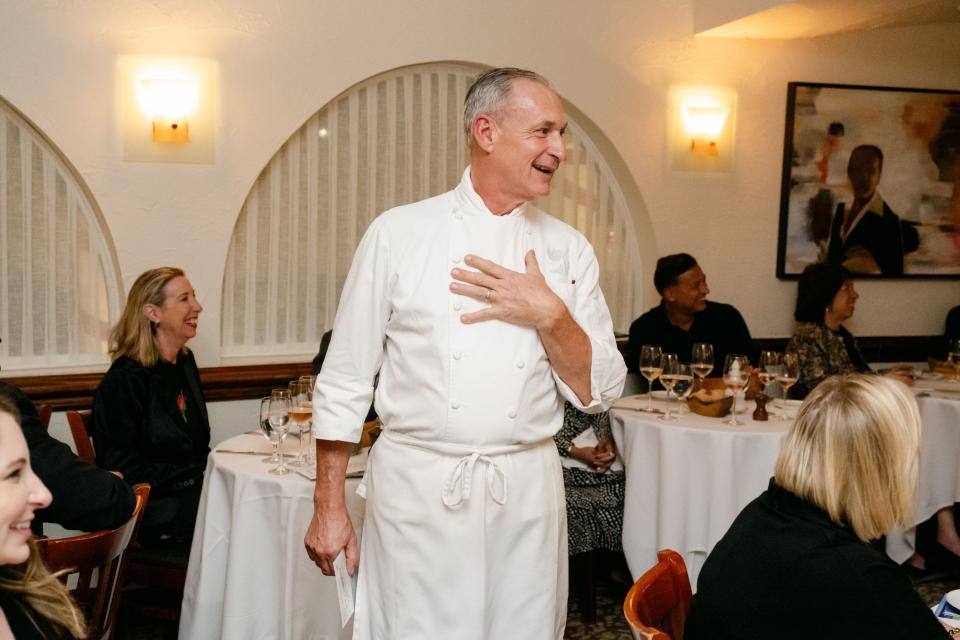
(785, 570)
(139, 430)
(882, 236)
(85, 497)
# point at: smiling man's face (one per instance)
(528, 147)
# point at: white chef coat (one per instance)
(465, 531)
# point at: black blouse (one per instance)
(151, 424)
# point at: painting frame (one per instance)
(832, 132)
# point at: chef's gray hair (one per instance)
(490, 91)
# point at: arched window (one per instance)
(389, 140)
(59, 283)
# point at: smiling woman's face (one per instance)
(21, 493)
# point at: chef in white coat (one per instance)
(481, 314)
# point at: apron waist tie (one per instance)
(457, 484)
(456, 488)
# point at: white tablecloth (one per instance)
(939, 483)
(686, 481)
(249, 574)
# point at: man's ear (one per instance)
(484, 131)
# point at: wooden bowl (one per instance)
(714, 409)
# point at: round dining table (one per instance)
(688, 479)
(249, 575)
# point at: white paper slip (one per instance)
(356, 465)
(346, 588)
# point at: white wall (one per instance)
(615, 60)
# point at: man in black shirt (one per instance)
(85, 497)
(685, 317)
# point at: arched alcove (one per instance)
(59, 278)
(391, 139)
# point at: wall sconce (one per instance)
(168, 102)
(167, 108)
(702, 123)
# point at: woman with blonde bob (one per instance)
(796, 562)
(34, 604)
(149, 415)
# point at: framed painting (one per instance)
(871, 179)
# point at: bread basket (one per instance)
(712, 404)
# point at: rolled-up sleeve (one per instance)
(344, 388)
(607, 369)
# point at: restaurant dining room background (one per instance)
(282, 82)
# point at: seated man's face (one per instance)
(690, 292)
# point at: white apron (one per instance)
(460, 542)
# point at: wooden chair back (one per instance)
(45, 411)
(102, 553)
(657, 604)
(80, 426)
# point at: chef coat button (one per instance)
(457, 214)
(454, 405)
(520, 364)
(512, 414)
(457, 306)
(457, 355)
(455, 259)
(529, 232)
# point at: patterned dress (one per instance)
(594, 500)
(821, 353)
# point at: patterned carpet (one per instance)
(610, 624)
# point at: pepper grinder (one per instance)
(760, 413)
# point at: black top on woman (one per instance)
(149, 415)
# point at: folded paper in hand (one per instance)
(346, 588)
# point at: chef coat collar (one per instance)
(472, 204)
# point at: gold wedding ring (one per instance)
(489, 295)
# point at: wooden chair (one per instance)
(79, 422)
(103, 552)
(45, 411)
(154, 580)
(657, 604)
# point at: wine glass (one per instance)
(788, 376)
(311, 457)
(953, 357)
(650, 369)
(682, 385)
(301, 414)
(272, 436)
(669, 369)
(701, 360)
(279, 416)
(769, 366)
(736, 375)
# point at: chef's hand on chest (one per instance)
(518, 298)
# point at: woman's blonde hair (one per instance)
(41, 592)
(853, 451)
(133, 336)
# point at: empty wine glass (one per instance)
(301, 414)
(701, 360)
(953, 357)
(788, 376)
(769, 367)
(650, 369)
(311, 457)
(736, 375)
(669, 370)
(272, 436)
(279, 416)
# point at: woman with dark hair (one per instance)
(826, 299)
(149, 415)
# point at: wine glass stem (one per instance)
(282, 468)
